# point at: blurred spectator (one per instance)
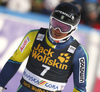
(78, 3)
(3, 2)
(49, 5)
(91, 14)
(37, 5)
(17, 5)
(44, 6)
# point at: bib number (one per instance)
(46, 68)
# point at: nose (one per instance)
(57, 30)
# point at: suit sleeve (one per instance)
(80, 66)
(14, 62)
(25, 47)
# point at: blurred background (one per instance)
(17, 17)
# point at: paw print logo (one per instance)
(64, 57)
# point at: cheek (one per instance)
(64, 35)
(52, 32)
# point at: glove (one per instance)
(1, 89)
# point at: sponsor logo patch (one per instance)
(61, 12)
(64, 57)
(23, 45)
(81, 70)
(40, 37)
(41, 82)
(71, 49)
(45, 56)
(62, 17)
